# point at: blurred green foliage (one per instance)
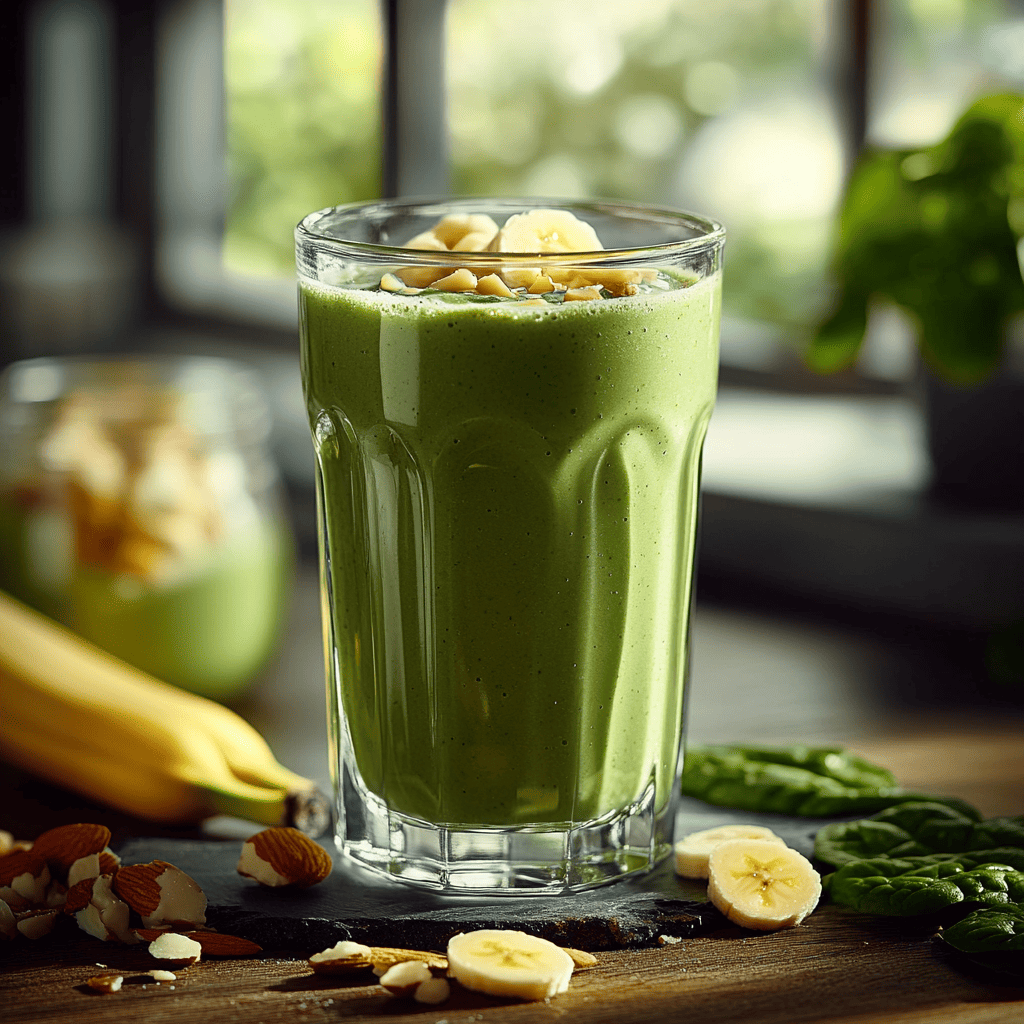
(936, 230)
(303, 120)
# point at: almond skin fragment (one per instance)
(284, 856)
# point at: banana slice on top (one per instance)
(545, 231)
(692, 851)
(762, 885)
(503, 962)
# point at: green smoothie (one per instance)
(508, 500)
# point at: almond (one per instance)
(213, 943)
(388, 956)
(403, 979)
(78, 896)
(160, 893)
(60, 847)
(176, 949)
(104, 916)
(284, 856)
(106, 982)
(581, 958)
(26, 873)
(34, 924)
(8, 922)
(341, 958)
(432, 992)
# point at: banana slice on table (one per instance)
(761, 884)
(692, 851)
(503, 962)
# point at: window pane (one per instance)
(662, 101)
(931, 58)
(303, 108)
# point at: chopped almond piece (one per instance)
(583, 294)
(461, 280)
(491, 284)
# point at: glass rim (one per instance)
(39, 381)
(711, 233)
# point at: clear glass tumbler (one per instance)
(508, 401)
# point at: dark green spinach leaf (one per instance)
(806, 781)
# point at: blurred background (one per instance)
(163, 150)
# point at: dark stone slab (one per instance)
(355, 904)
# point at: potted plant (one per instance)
(938, 231)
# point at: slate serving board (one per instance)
(355, 904)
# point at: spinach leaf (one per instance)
(914, 829)
(990, 930)
(899, 888)
(805, 781)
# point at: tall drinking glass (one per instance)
(508, 409)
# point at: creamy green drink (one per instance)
(508, 495)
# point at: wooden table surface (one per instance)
(756, 676)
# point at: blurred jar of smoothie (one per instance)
(140, 507)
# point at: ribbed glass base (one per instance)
(544, 858)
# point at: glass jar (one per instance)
(139, 506)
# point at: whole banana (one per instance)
(81, 718)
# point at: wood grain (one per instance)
(838, 966)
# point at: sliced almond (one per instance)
(104, 916)
(390, 283)
(403, 979)
(106, 982)
(60, 847)
(159, 975)
(541, 285)
(284, 856)
(160, 893)
(8, 922)
(421, 277)
(77, 897)
(34, 924)
(491, 284)
(583, 294)
(25, 873)
(388, 956)
(341, 958)
(461, 280)
(175, 949)
(581, 958)
(432, 991)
